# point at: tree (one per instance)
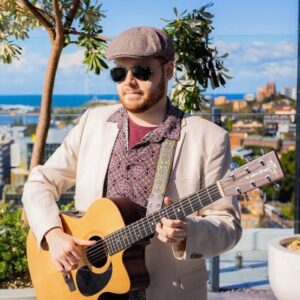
(78, 22)
(197, 61)
(66, 22)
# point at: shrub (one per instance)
(13, 261)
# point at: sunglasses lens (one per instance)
(118, 74)
(141, 72)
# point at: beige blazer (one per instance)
(202, 157)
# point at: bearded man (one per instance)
(114, 152)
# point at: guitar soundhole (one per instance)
(97, 254)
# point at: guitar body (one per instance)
(119, 273)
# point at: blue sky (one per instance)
(259, 35)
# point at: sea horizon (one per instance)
(77, 100)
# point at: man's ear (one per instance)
(170, 69)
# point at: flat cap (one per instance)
(141, 42)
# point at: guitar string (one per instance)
(91, 254)
(137, 225)
(116, 235)
(98, 254)
(109, 237)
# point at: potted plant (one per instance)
(284, 267)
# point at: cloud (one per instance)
(69, 61)
(259, 52)
(28, 62)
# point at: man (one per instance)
(114, 150)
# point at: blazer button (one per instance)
(196, 255)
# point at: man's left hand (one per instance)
(171, 231)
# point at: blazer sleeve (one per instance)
(47, 182)
(216, 228)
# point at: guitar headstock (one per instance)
(259, 172)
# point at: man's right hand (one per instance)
(65, 250)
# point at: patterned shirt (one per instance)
(131, 172)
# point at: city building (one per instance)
(4, 163)
(266, 92)
(54, 139)
(237, 139)
(238, 105)
(247, 126)
(273, 142)
(290, 92)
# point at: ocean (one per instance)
(79, 100)
(33, 101)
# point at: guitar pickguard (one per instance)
(90, 283)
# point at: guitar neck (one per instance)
(145, 227)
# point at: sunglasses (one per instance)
(143, 73)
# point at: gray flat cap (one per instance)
(141, 42)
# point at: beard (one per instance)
(147, 101)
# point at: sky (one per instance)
(260, 37)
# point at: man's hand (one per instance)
(171, 231)
(65, 250)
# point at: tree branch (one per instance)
(58, 22)
(75, 32)
(72, 13)
(33, 11)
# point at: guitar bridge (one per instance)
(68, 278)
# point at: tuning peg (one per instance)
(233, 166)
(276, 186)
(247, 170)
(268, 178)
(262, 162)
(262, 151)
(253, 183)
(238, 189)
(246, 197)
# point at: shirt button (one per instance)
(175, 283)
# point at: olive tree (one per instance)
(66, 22)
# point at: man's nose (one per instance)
(129, 79)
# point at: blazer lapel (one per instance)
(109, 137)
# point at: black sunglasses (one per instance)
(143, 73)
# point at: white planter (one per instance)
(284, 268)
(17, 294)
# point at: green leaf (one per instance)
(175, 11)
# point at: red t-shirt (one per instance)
(137, 132)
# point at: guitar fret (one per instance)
(143, 228)
(207, 191)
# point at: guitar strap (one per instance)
(161, 179)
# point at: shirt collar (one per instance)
(169, 128)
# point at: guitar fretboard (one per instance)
(145, 227)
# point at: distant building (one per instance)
(263, 141)
(247, 126)
(249, 97)
(54, 140)
(279, 122)
(266, 92)
(237, 139)
(242, 153)
(238, 105)
(4, 163)
(290, 92)
(221, 100)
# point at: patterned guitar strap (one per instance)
(161, 179)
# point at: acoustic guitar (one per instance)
(115, 264)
